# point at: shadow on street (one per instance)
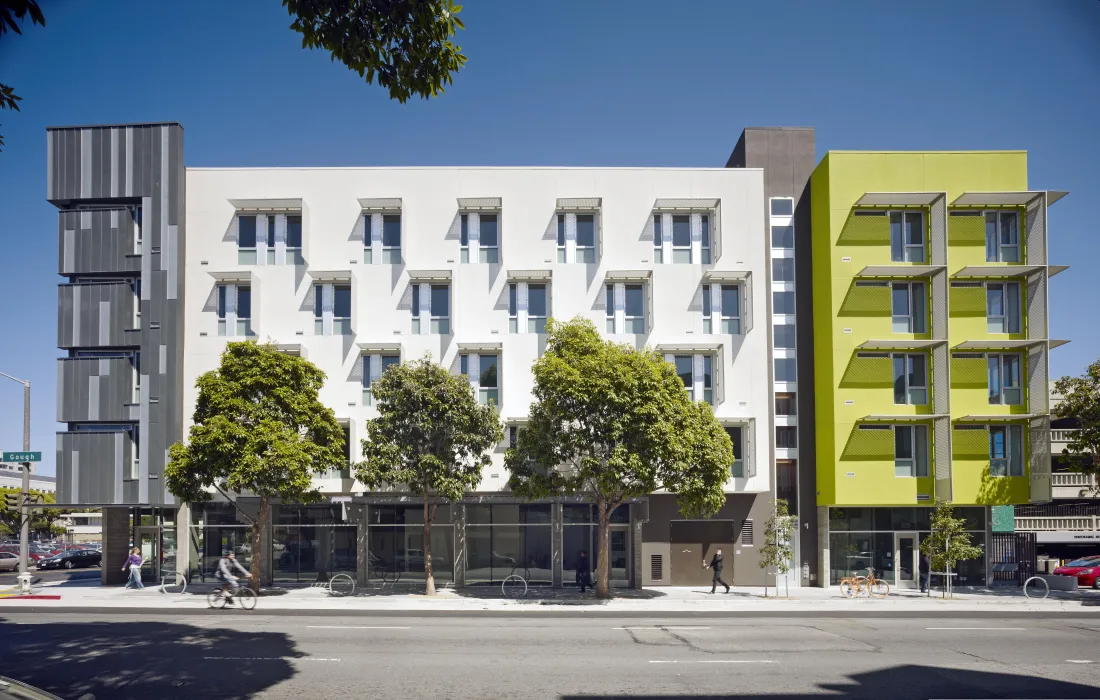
(144, 659)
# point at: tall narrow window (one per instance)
(1004, 380)
(318, 309)
(910, 379)
(1006, 449)
(708, 379)
(708, 309)
(513, 308)
(684, 369)
(705, 240)
(731, 309)
(244, 311)
(489, 250)
(635, 309)
(1003, 307)
(441, 309)
(271, 239)
(910, 450)
(586, 238)
(294, 240)
(737, 469)
(909, 307)
(223, 291)
(561, 238)
(391, 239)
(1002, 236)
(384, 362)
(658, 240)
(783, 237)
(681, 238)
(907, 236)
(246, 239)
(538, 308)
(341, 309)
(609, 312)
(486, 375)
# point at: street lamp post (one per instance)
(25, 512)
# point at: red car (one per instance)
(1086, 569)
(14, 549)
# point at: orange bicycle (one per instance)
(875, 587)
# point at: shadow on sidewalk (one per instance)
(905, 683)
(144, 659)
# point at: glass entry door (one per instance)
(148, 540)
(907, 556)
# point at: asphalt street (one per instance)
(252, 655)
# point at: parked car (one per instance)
(1086, 569)
(9, 561)
(14, 549)
(72, 559)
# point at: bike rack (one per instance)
(1046, 587)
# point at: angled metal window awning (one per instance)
(370, 348)
(1053, 270)
(330, 275)
(232, 275)
(899, 199)
(726, 275)
(479, 203)
(429, 275)
(900, 271)
(1007, 344)
(1006, 199)
(627, 275)
(1000, 418)
(524, 275)
(685, 204)
(381, 204)
(481, 347)
(579, 203)
(667, 348)
(267, 204)
(900, 344)
(907, 418)
(995, 271)
(292, 349)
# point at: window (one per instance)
(1002, 236)
(783, 270)
(1004, 380)
(786, 405)
(242, 310)
(782, 206)
(635, 308)
(909, 307)
(1006, 450)
(223, 291)
(246, 239)
(783, 302)
(786, 369)
(911, 450)
(731, 309)
(737, 469)
(586, 238)
(708, 380)
(685, 369)
(786, 437)
(488, 238)
(561, 238)
(487, 374)
(610, 307)
(1002, 300)
(391, 239)
(708, 309)
(439, 313)
(783, 336)
(270, 239)
(783, 237)
(658, 241)
(705, 241)
(294, 240)
(341, 309)
(383, 363)
(910, 379)
(538, 308)
(318, 309)
(681, 238)
(906, 236)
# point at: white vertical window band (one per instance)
(376, 237)
(280, 239)
(375, 372)
(327, 302)
(697, 237)
(620, 307)
(473, 370)
(666, 237)
(261, 239)
(697, 379)
(425, 308)
(230, 309)
(570, 238)
(522, 304)
(473, 236)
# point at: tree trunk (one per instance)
(429, 578)
(603, 567)
(256, 565)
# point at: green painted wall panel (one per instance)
(966, 231)
(869, 444)
(970, 444)
(967, 301)
(868, 372)
(866, 301)
(968, 373)
(872, 230)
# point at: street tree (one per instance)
(260, 429)
(43, 520)
(778, 538)
(1081, 403)
(613, 423)
(949, 541)
(403, 44)
(12, 13)
(431, 436)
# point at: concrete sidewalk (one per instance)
(656, 600)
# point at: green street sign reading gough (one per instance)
(22, 456)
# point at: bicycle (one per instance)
(220, 597)
(853, 586)
(173, 583)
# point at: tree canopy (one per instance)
(43, 520)
(1081, 403)
(778, 547)
(431, 436)
(259, 428)
(614, 423)
(949, 541)
(403, 44)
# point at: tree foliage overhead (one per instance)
(12, 13)
(42, 519)
(1081, 403)
(614, 423)
(404, 44)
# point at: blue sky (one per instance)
(572, 82)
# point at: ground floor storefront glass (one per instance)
(888, 540)
(395, 544)
(579, 534)
(507, 539)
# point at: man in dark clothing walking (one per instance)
(584, 572)
(716, 567)
(923, 570)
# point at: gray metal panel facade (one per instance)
(788, 157)
(100, 177)
(90, 463)
(96, 316)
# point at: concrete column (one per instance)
(116, 544)
(183, 539)
(358, 515)
(823, 546)
(458, 519)
(556, 544)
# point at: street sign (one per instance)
(22, 456)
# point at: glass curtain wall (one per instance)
(395, 549)
(579, 533)
(309, 544)
(507, 539)
(217, 528)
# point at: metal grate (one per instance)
(746, 533)
(657, 567)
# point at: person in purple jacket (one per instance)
(134, 562)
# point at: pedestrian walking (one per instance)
(716, 567)
(133, 563)
(584, 571)
(924, 570)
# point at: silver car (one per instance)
(8, 561)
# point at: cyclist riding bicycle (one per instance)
(227, 566)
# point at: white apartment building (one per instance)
(358, 268)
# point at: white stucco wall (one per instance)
(283, 313)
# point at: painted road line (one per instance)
(991, 629)
(1078, 661)
(354, 627)
(266, 658)
(714, 661)
(667, 627)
